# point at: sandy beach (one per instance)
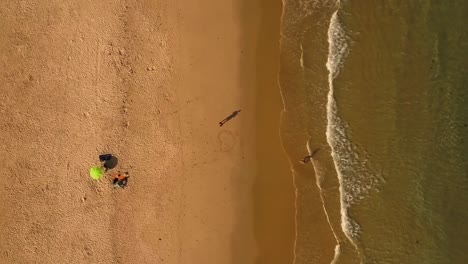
(147, 81)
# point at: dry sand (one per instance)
(147, 81)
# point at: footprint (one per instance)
(227, 140)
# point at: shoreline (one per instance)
(304, 52)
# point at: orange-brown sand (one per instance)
(147, 81)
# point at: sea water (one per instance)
(380, 87)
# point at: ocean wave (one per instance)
(338, 47)
(336, 134)
(337, 254)
(351, 169)
(356, 179)
(342, 152)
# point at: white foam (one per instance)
(337, 254)
(337, 51)
(338, 47)
(336, 128)
(301, 61)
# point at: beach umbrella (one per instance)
(96, 172)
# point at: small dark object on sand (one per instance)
(308, 159)
(229, 117)
(104, 157)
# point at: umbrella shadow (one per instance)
(111, 163)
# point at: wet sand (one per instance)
(245, 154)
(304, 88)
(274, 190)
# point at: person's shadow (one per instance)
(234, 114)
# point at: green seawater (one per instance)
(395, 126)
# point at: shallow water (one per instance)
(380, 88)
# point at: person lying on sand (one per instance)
(229, 118)
(120, 179)
(308, 159)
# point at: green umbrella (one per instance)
(96, 172)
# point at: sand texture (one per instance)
(147, 81)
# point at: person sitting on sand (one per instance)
(120, 179)
(308, 159)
